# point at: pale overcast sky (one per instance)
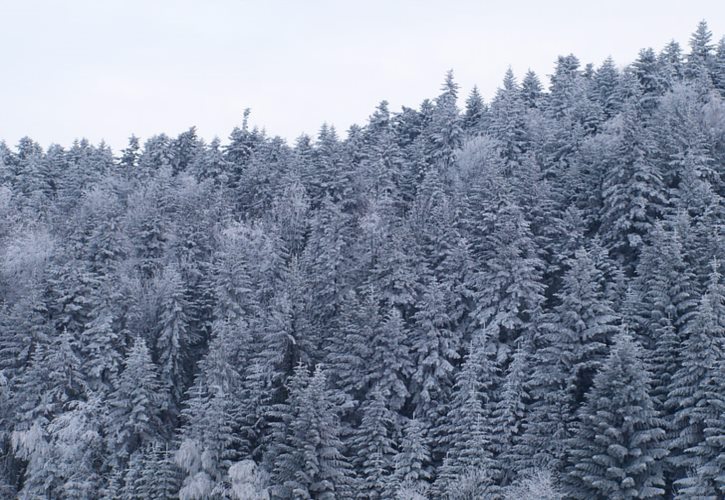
(104, 69)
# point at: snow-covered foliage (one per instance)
(522, 298)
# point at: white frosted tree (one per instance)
(617, 450)
(307, 452)
(134, 407)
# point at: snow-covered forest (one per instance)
(518, 298)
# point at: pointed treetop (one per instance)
(450, 87)
(245, 120)
(531, 89)
(701, 39)
(509, 80)
(475, 95)
(672, 51)
(475, 109)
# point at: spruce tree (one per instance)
(696, 396)
(434, 346)
(699, 60)
(172, 338)
(509, 414)
(531, 90)
(467, 434)
(133, 419)
(307, 452)
(617, 448)
(412, 460)
(373, 445)
(473, 115)
(633, 194)
(569, 348)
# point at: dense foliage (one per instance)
(517, 299)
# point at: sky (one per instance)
(106, 69)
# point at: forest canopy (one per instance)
(520, 298)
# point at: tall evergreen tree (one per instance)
(467, 433)
(696, 394)
(617, 448)
(412, 460)
(373, 445)
(633, 191)
(474, 113)
(307, 454)
(133, 419)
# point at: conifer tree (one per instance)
(696, 395)
(390, 362)
(699, 60)
(570, 347)
(446, 130)
(469, 279)
(507, 122)
(510, 288)
(651, 84)
(509, 414)
(531, 90)
(671, 63)
(606, 88)
(412, 460)
(373, 446)
(467, 433)
(719, 67)
(473, 115)
(617, 448)
(434, 348)
(135, 405)
(173, 339)
(633, 191)
(307, 453)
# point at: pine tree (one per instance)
(348, 353)
(565, 85)
(719, 67)
(475, 112)
(531, 90)
(633, 191)
(130, 155)
(467, 431)
(651, 85)
(133, 478)
(666, 303)
(213, 409)
(390, 361)
(671, 63)
(53, 379)
(509, 413)
(507, 123)
(696, 395)
(412, 461)
(699, 60)
(155, 303)
(606, 88)
(510, 288)
(587, 322)
(434, 348)
(373, 444)
(307, 454)
(616, 451)
(133, 419)
(380, 159)
(570, 346)
(100, 350)
(173, 339)
(446, 131)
